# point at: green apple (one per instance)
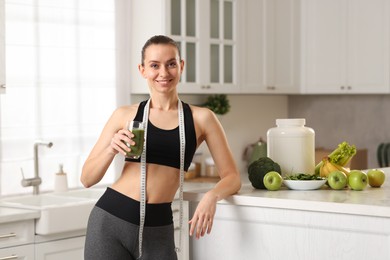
(337, 180)
(272, 180)
(376, 177)
(357, 180)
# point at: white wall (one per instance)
(249, 119)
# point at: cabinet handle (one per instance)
(206, 87)
(7, 236)
(2, 86)
(271, 88)
(9, 257)
(342, 87)
(349, 87)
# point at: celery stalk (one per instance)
(341, 155)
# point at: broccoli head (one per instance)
(259, 168)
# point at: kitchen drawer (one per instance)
(63, 249)
(17, 253)
(16, 233)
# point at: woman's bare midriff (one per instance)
(162, 182)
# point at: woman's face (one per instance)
(162, 67)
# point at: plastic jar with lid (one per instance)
(292, 145)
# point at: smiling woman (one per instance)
(61, 83)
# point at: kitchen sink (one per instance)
(39, 201)
(60, 212)
(84, 193)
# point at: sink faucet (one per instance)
(36, 181)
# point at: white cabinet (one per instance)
(250, 232)
(2, 47)
(16, 233)
(206, 32)
(270, 47)
(316, 46)
(17, 240)
(345, 46)
(63, 249)
(25, 252)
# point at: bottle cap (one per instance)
(291, 122)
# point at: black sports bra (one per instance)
(163, 146)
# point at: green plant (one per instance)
(219, 104)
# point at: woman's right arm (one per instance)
(109, 144)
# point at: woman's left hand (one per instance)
(203, 217)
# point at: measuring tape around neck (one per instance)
(143, 174)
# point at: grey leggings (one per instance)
(112, 238)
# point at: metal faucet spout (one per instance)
(36, 166)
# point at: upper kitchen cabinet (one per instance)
(206, 32)
(345, 46)
(270, 47)
(2, 47)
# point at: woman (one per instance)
(116, 228)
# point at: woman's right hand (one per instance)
(119, 141)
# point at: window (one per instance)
(61, 87)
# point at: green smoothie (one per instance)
(136, 150)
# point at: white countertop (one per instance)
(371, 201)
(12, 214)
(8, 214)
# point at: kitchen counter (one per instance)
(8, 214)
(12, 214)
(317, 224)
(370, 202)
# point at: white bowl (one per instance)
(304, 184)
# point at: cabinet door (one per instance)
(65, 249)
(345, 46)
(145, 22)
(222, 49)
(25, 252)
(211, 53)
(182, 26)
(324, 45)
(253, 24)
(368, 46)
(16, 233)
(271, 46)
(282, 41)
(2, 47)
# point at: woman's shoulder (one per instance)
(200, 111)
(202, 115)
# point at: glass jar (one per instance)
(292, 146)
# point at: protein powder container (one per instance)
(292, 146)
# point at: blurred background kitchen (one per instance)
(69, 64)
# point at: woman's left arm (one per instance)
(230, 183)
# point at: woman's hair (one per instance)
(158, 39)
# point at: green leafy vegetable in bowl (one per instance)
(303, 177)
